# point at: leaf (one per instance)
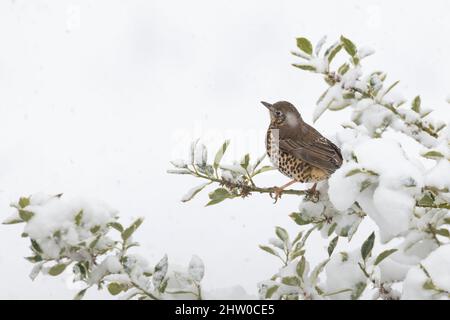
(343, 69)
(35, 246)
(193, 192)
(116, 225)
(219, 195)
(268, 249)
(126, 234)
(367, 246)
(220, 153)
(348, 46)
(301, 265)
(79, 217)
(357, 171)
(443, 232)
(80, 294)
(95, 229)
(25, 215)
(426, 200)
(263, 169)
(415, 106)
(332, 245)
(57, 269)
(290, 281)
(384, 255)
(332, 51)
(390, 88)
(433, 155)
(282, 234)
(317, 270)
(24, 202)
(429, 285)
(359, 289)
(299, 219)
(295, 254)
(304, 45)
(114, 288)
(271, 291)
(180, 171)
(304, 67)
(12, 221)
(245, 161)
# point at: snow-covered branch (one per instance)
(85, 237)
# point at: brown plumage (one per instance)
(298, 150)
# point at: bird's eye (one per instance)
(278, 113)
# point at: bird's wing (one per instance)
(311, 147)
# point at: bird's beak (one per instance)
(267, 105)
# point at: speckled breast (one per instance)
(289, 165)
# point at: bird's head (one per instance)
(283, 114)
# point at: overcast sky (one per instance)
(96, 97)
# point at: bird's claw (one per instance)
(276, 194)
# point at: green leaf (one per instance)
(193, 192)
(299, 219)
(348, 46)
(57, 269)
(415, 106)
(220, 153)
(219, 195)
(25, 215)
(384, 255)
(298, 237)
(296, 253)
(35, 246)
(304, 67)
(429, 285)
(114, 288)
(332, 245)
(332, 52)
(80, 294)
(94, 242)
(116, 225)
(126, 234)
(301, 265)
(79, 218)
(390, 88)
(357, 171)
(343, 69)
(263, 169)
(271, 291)
(304, 45)
(433, 155)
(13, 221)
(268, 249)
(443, 232)
(426, 200)
(24, 202)
(95, 229)
(359, 289)
(245, 161)
(282, 234)
(367, 246)
(290, 281)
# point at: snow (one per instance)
(437, 264)
(53, 213)
(386, 200)
(343, 273)
(439, 175)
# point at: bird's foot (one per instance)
(312, 195)
(276, 194)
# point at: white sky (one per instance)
(97, 97)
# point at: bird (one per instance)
(298, 150)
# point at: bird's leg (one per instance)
(312, 194)
(279, 190)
